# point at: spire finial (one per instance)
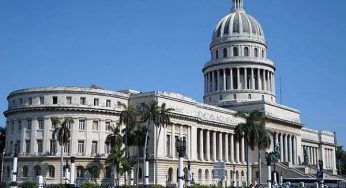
(238, 5)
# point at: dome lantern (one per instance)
(238, 5)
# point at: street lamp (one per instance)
(180, 146)
(13, 183)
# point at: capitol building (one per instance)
(238, 77)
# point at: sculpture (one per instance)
(306, 157)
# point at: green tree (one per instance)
(93, 170)
(2, 148)
(62, 135)
(114, 138)
(341, 160)
(250, 132)
(263, 144)
(116, 159)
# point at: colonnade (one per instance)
(219, 146)
(288, 146)
(239, 78)
(329, 158)
(313, 154)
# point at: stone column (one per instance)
(208, 146)
(218, 81)
(265, 80)
(245, 77)
(231, 78)
(252, 79)
(259, 79)
(281, 148)
(201, 145)
(232, 148)
(294, 149)
(224, 79)
(273, 80)
(226, 147)
(212, 81)
(220, 147)
(214, 146)
(238, 78)
(289, 148)
(237, 158)
(242, 150)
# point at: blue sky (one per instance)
(163, 45)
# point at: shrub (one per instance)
(55, 186)
(28, 184)
(90, 185)
(156, 186)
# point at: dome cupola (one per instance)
(239, 69)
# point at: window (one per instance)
(68, 100)
(82, 101)
(263, 53)
(224, 52)
(17, 146)
(176, 140)
(256, 52)
(51, 171)
(108, 172)
(80, 172)
(21, 101)
(108, 103)
(107, 147)
(235, 51)
(217, 54)
(11, 147)
(81, 146)
(81, 124)
(25, 171)
(220, 97)
(40, 124)
(37, 170)
(185, 143)
(27, 146)
(168, 145)
(170, 175)
(39, 146)
(67, 147)
(30, 101)
(29, 124)
(8, 171)
(96, 102)
(246, 51)
(52, 147)
(234, 96)
(12, 126)
(94, 147)
(95, 126)
(41, 100)
(108, 126)
(249, 96)
(54, 124)
(19, 125)
(55, 100)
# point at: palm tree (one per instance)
(150, 115)
(93, 170)
(63, 135)
(163, 119)
(116, 158)
(249, 131)
(114, 138)
(263, 144)
(2, 148)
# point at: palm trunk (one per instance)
(145, 151)
(114, 176)
(137, 171)
(247, 164)
(259, 166)
(118, 177)
(61, 163)
(156, 154)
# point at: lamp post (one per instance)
(13, 183)
(180, 148)
(133, 161)
(188, 174)
(320, 174)
(72, 170)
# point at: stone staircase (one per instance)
(292, 171)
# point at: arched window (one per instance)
(263, 53)
(80, 171)
(170, 175)
(25, 171)
(140, 173)
(37, 170)
(262, 97)
(108, 172)
(249, 96)
(217, 54)
(242, 173)
(199, 175)
(235, 52)
(51, 171)
(237, 175)
(234, 96)
(256, 52)
(206, 174)
(225, 52)
(246, 51)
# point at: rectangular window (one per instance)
(52, 147)
(54, 125)
(95, 126)
(94, 147)
(68, 100)
(19, 124)
(82, 101)
(108, 126)
(29, 124)
(81, 124)
(185, 143)
(108, 103)
(96, 102)
(176, 141)
(168, 145)
(40, 124)
(67, 147)
(41, 100)
(30, 101)
(107, 148)
(39, 146)
(17, 146)
(55, 100)
(21, 101)
(27, 146)
(81, 146)
(12, 126)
